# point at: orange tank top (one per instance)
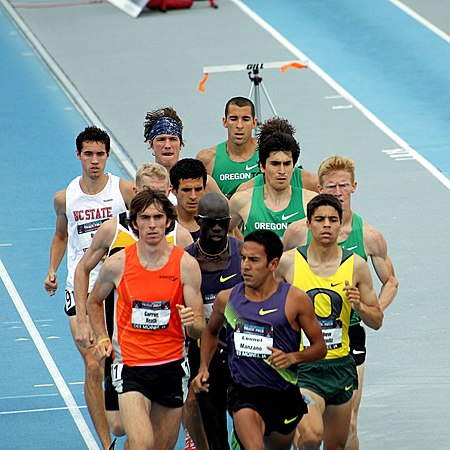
(148, 329)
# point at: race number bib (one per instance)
(252, 340)
(331, 331)
(86, 232)
(208, 303)
(150, 315)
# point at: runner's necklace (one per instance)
(208, 255)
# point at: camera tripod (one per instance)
(256, 82)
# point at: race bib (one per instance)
(252, 340)
(331, 331)
(86, 232)
(208, 303)
(150, 315)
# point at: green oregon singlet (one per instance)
(330, 302)
(262, 218)
(230, 174)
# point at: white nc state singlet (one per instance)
(85, 213)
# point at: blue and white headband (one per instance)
(165, 125)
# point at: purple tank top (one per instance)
(251, 327)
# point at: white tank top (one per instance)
(85, 213)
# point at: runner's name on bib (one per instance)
(252, 340)
(331, 331)
(150, 315)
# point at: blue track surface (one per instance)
(388, 61)
(37, 143)
(394, 66)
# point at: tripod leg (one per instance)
(268, 99)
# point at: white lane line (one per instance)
(24, 411)
(71, 91)
(16, 397)
(342, 107)
(422, 20)
(48, 360)
(337, 87)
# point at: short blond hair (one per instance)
(151, 170)
(335, 163)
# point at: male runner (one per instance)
(276, 203)
(158, 296)
(235, 160)
(87, 202)
(337, 177)
(301, 178)
(112, 236)
(264, 319)
(336, 281)
(163, 134)
(188, 177)
(219, 258)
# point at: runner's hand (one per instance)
(51, 283)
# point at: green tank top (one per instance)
(262, 218)
(354, 243)
(296, 179)
(230, 174)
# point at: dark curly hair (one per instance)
(153, 116)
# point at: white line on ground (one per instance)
(48, 360)
(14, 397)
(24, 411)
(342, 107)
(421, 20)
(71, 91)
(338, 88)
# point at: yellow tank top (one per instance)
(330, 302)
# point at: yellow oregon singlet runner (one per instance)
(330, 302)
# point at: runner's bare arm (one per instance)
(295, 235)
(376, 247)
(300, 310)
(210, 340)
(362, 295)
(183, 237)
(207, 157)
(310, 180)
(108, 278)
(192, 314)
(59, 242)
(94, 254)
(127, 189)
(237, 203)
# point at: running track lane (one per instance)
(42, 385)
(393, 65)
